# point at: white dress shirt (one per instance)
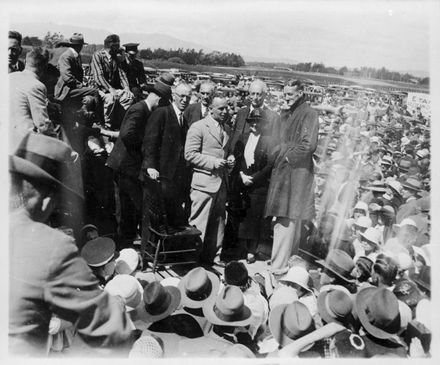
(249, 150)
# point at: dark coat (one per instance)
(164, 143)
(193, 113)
(134, 69)
(270, 125)
(71, 74)
(291, 189)
(126, 156)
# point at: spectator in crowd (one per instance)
(134, 69)
(47, 275)
(28, 99)
(196, 111)
(14, 52)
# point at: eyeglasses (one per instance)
(183, 96)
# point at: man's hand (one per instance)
(153, 173)
(231, 161)
(247, 180)
(220, 162)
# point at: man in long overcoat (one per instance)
(290, 196)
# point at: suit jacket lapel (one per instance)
(212, 129)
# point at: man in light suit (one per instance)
(205, 150)
(198, 111)
(28, 99)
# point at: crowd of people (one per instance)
(337, 187)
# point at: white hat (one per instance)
(146, 347)
(127, 262)
(297, 275)
(397, 186)
(283, 295)
(405, 222)
(363, 222)
(371, 235)
(361, 205)
(128, 287)
(422, 153)
(425, 252)
(423, 313)
(170, 281)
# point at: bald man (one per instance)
(270, 120)
(205, 150)
(163, 154)
(200, 110)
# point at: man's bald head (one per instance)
(219, 108)
(257, 93)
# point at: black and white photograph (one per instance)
(220, 179)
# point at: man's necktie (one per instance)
(181, 119)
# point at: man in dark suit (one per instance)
(14, 51)
(270, 121)
(198, 111)
(163, 154)
(126, 157)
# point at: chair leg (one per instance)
(156, 255)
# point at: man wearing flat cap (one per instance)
(111, 80)
(47, 276)
(126, 157)
(134, 70)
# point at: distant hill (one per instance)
(96, 36)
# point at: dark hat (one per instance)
(131, 47)
(43, 159)
(198, 287)
(339, 263)
(181, 324)
(412, 184)
(423, 278)
(159, 301)
(335, 306)
(365, 264)
(288, 322)
(407, 291)
(236, 274)
(228, 309)
(378, 312)
(77, 38)
(405, 163)
(162, 86)
(98, 251)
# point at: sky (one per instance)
(393, 34)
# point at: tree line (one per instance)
(180, 55)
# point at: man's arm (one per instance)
(308, 140)
(152, 142)
(129, 132)
(66, 74)
(73, 293)
(37, 97)
(98, 73)
(193, 149)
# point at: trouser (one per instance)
(286, 234)
(208, 216)
(130, 198)
(125, 100)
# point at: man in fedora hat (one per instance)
(14, 51)
(28, 99)
(126, 157)
(134, 70)
(47, 276)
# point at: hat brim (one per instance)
(21, 166)
(362, 299)
(208, 311)
(175, 301)
(190, 303)
(276, 330)
(139, 296)
(325, 266)
(369, 241)
(152, 89)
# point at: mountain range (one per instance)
(146, 40)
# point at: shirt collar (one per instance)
(75, 53)
(176, 110)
